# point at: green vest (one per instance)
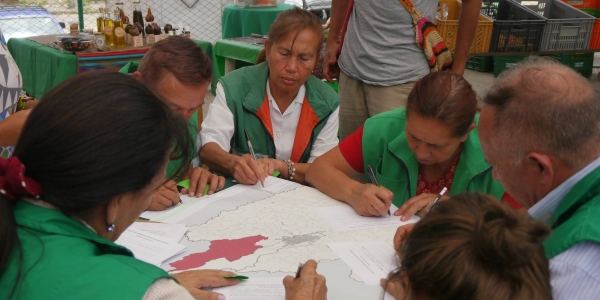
(386, 149)
(245, 92)
(173, 165)
(577, 218)
(64, 259)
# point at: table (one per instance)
(231, 55)
(238, 22)
(266, 232)
(43, 67)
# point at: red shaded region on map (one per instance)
(231, 250)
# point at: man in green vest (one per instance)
(178, 71)
(540, 131)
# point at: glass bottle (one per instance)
(100, 21)
(137, 15)
(109, 29)
(119, 31)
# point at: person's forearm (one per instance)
(217, 159)
(338, 15)
(331, 181)
(467, 26)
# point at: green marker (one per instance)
(186, 185)
(239, 277)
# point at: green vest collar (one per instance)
(130, 67)
(255, 98)
(52, 221)
(576, 216)
(470, 164)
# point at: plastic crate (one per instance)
(567, 28)
(448, 28)
(581, 3)
(516, 28)
(583, 63)
(502, 63)
(595, 39)
(481, 63)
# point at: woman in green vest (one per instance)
(84, 169)
(414, 152)
(290, 117)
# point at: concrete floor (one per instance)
(481, 82)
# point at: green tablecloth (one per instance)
(243, 53)
(43, 68)
(239, 22)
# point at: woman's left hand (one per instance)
(415, 204)
(193, 281)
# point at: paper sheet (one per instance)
(255, 288)
(272, 184)
(371, 261)
(148, 247)
(171, 232)
(149, 215)
(193, 205)
(344, 218)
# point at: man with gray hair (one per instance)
(540, 131)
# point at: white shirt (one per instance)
(218, 127)
(574, 273)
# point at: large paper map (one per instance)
(267, 232)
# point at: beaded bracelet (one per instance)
(291, 169)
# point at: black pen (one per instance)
(252, 152)
(299, 269)
(374, 180)
(439, 196)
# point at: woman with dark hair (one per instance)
(85, 167)
(291, 117)
(415, 152)
(472, 247)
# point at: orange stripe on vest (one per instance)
(307, 122)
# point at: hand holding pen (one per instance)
(307, 284)
(374, 180)
(369, 199)
(246, 170)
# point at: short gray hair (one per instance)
(542, 105)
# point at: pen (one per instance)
(252, 152)
(374, 180)
(439, 196)
(238, 277)
(299, 269)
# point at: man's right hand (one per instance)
(165, 196)
(246, 171)
(371, 200)
(331, 70)
(309, 286)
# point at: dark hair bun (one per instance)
(504, 238)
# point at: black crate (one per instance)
(516, 28)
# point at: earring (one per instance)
(111, 228)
